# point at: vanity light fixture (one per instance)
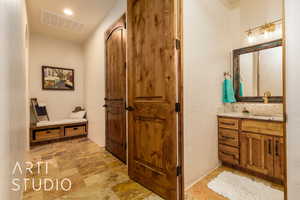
(68, 12)
(266, 31)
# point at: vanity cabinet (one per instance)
(253, 145)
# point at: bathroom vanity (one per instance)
(253, 144)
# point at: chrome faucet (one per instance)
(266, 97)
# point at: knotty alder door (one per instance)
(115, 100)
(153, 93)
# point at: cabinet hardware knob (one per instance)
(130, 108)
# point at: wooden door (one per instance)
(153, 93)
(115, 100)
(257, 153)
(279, 158)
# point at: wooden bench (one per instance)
(40, 134)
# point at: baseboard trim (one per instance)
(199, 179)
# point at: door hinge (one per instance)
(178, 170)
(178, 43)
(285, 117)
(177, 107)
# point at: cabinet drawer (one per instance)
(269, 128)
(229, 154)
(229, 123)
(50, 134)
(73, 131)
(229, 137)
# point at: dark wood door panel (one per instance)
(116, 61)
(150, 151)
(116, 119)
(115, 93)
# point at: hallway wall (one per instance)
(13, 20)
(293, 97)
(94, 49)
(207, 43)
(49, 51)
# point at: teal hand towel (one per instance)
(228, 92)
(241, 89)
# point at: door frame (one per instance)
(284, 73)
(119, 23)
(181, 189)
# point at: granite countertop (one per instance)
(278, 118)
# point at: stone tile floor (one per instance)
(95, 174)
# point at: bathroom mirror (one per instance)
(258, 71)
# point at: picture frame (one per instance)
(56, 78)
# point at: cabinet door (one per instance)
(279, 158)
(257, 153)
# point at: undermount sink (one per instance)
(263, 115)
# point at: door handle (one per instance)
(227, 123)
(104, 106)
(228, 154)
(130, 108)
(270, 147)
(227, 137)
(277, 148)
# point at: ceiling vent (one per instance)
(60, 21)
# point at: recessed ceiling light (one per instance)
(68, 12)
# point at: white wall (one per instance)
(13, 91)
(250, 14)
(293, 97)
(234, 26)
(95, 77)
(58, 53)
(206, 57)
(258, 12)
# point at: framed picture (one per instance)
(54, 78)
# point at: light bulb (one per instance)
(251, 38)
(266, 34)
(68, 12)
